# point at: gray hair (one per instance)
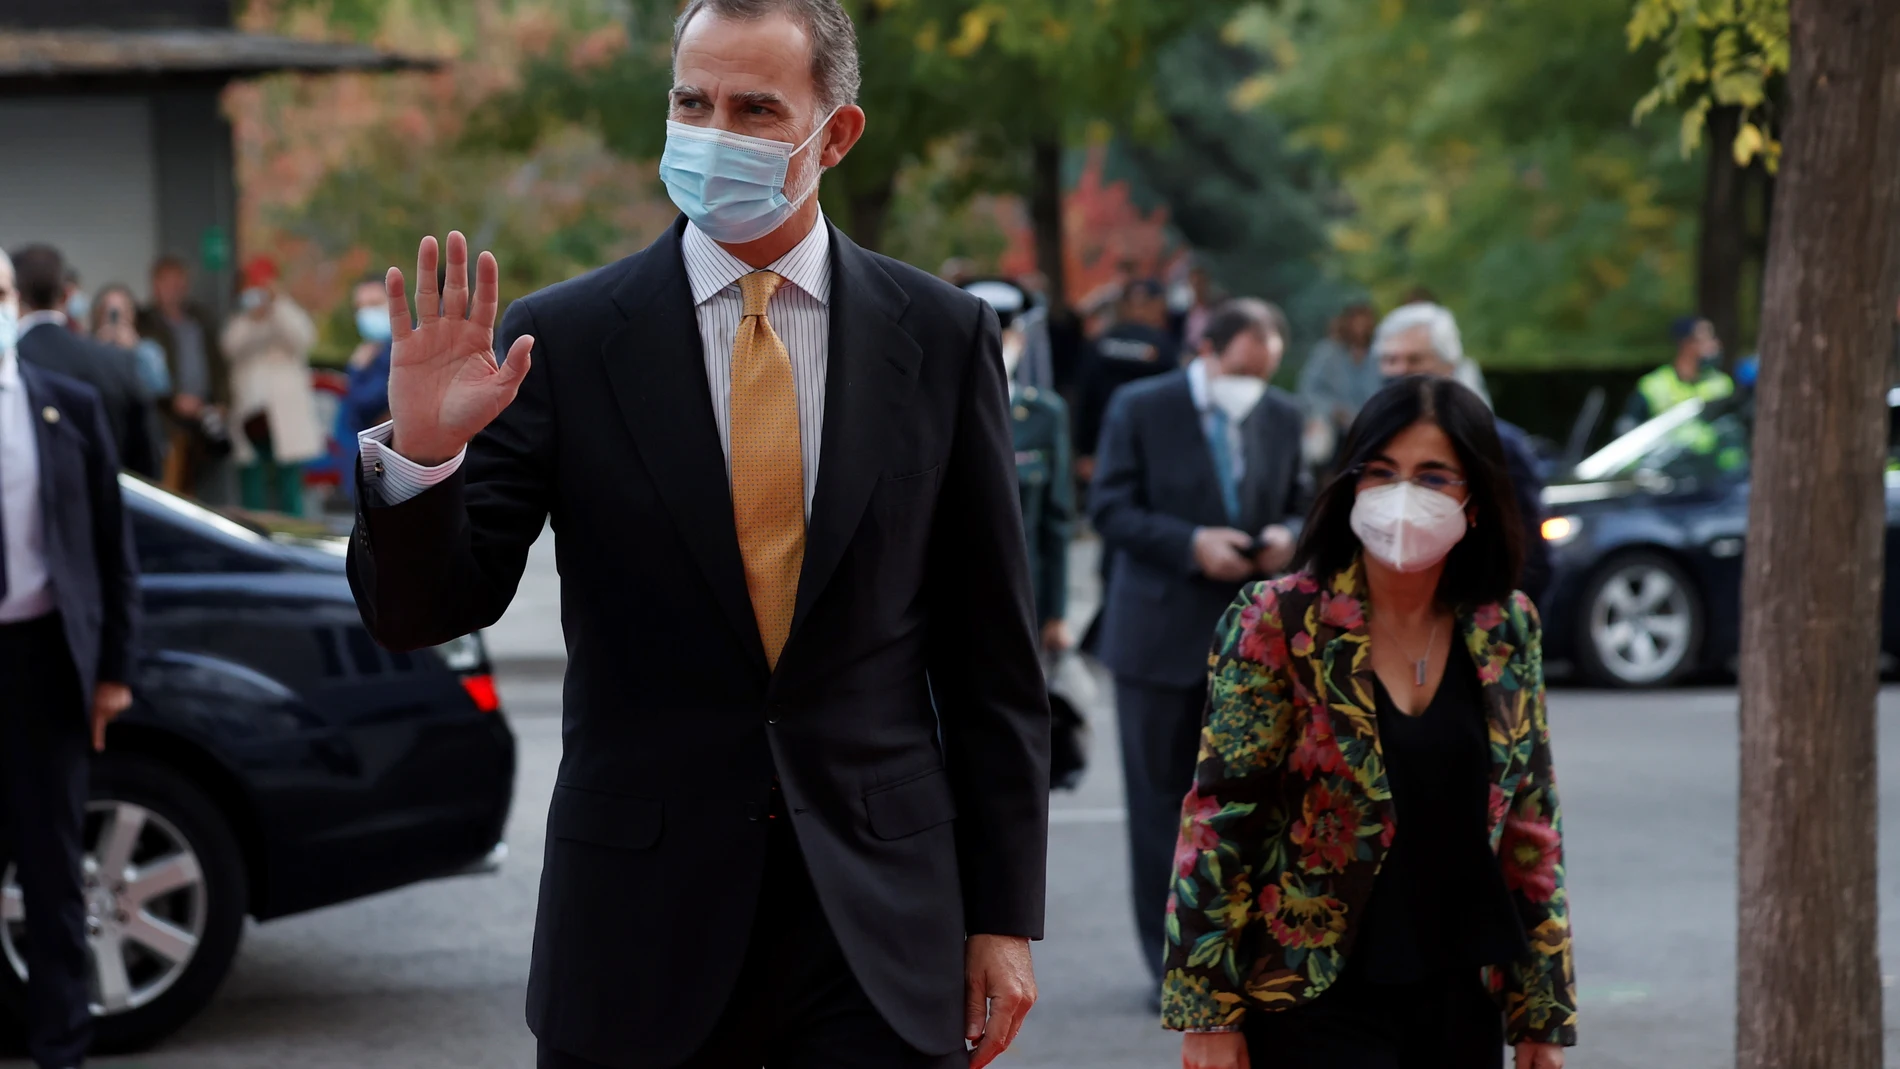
(834, 40)
(1441, 326)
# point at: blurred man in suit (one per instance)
(68, 609)
(801, 816)
(1199, 488)
(46, 341)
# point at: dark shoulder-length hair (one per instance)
(1483, 567)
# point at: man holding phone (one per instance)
(1199, 487)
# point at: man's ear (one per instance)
(847, 126)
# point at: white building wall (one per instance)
(78, 173)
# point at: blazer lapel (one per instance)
(1194, 443)
(1255, 435)
(656, 365)
(46, 433)
(1507, 719)
(871, 371)
(1344, 643)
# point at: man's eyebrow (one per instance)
(684, 90)
(756, 96)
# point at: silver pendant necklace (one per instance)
(1418, 665)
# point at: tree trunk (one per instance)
(1045, 215)
(1723, 249)
(1808, 981)
(870, 209)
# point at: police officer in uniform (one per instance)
(1041, 424)
(1695, 374)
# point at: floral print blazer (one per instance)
(1291, 812)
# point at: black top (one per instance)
(1439, 902)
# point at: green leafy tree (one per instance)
(1485, 152)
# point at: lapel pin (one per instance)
(50, 414)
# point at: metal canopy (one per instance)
(143, 54)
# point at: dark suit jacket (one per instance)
(1154, 484)
(111, 372)
(88, 539)
(1527, 485)
(906, 721)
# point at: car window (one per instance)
(1692, 443)
(166, 547)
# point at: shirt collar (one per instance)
(710, 268)
(1197, 373)
(34, 319)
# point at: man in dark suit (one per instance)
(801, 814)
(46, 341)
(1199, 488)
(68, 608)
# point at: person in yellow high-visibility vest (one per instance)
(1694, 374)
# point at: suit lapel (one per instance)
(656, 365)
(871, 370)
(1256, 432)
(47, 438)
(1194, 443)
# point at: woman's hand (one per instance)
(1216, 1050)
(1540, 1056)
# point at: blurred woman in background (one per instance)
(1370, 865)
(267, 344)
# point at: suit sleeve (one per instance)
(139, 451)
(114, 553)
(1118, 503)
(984, 673)
(447, 562)
(1528, 487)
(1058, 516)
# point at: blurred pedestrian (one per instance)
(46, 340)
(1357, 853)
(200, 383)
(1200, 299)
(366, 400)
(77, 305)
(68, 613)
(1422, 339)
(1040, 429)
(1341, 374)
(1136, 347)
(115, 322)
(1695, 374)
(268, 345)
(1199, 489)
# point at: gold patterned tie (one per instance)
(768, 469)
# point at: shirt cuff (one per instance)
(396, 477)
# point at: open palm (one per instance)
(445, 384)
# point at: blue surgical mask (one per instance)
(9, 325)
(373, 323)
(732, 186)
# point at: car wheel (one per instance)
(1642, 623)
(165, 903)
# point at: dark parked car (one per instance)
(275, 760)
(1647, 539)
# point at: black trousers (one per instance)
(1160, 735)
(796, 1005)
(43, 763)
(1448, 1022)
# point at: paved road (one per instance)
(431, 977)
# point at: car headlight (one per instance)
(463, 654)
(1562, 530)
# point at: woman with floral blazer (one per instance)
(1294, 932)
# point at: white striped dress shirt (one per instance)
(800, 313)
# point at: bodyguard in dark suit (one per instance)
(1198, 489)
(801, 813)
(68, 605)
(46, 341)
